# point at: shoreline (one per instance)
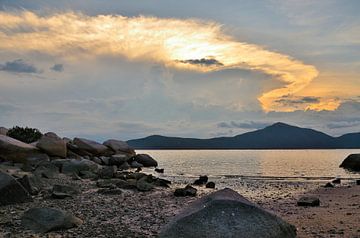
(143, 214)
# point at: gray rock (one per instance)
(225, 214)
(110, 191)
(105, 160)
(146, 160)
(308, 201)
(210, 185)
(352, 162)
(31, 183)
(43, 220)
(107, 183)
(15, 150)
(97, 160)
(119, 146)
(124, 166)
(145, 183)
(31, 163)
(118, 159)
(63, 191)
(91, 147)
(127, 184)
(79, 165)
(47, 170)
(52, 145)
(187, 191)
(135, 164)
(11, 191)
(88, 175)
(107, 172)
(202, 180)
(3, 131)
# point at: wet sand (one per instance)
(143, 214)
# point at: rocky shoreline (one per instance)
(98, 190)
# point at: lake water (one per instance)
(265, 164)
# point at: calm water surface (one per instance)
(312, 164)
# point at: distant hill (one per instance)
(276, 136)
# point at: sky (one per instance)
(128, 69)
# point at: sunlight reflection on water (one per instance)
(261, 163)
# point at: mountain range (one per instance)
(276, 136)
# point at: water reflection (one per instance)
(272, 163)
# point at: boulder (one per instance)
(210, 185)
(96, 160)
(31, 163)
(79, 165)
(11, 191)
(135, 164)
(329, 185)
(352, 162)
(162, 183)
(145, 183)
(63, 191)
(336, 181)
(202, 180)
(187, 191)
(3, 131)
(124, 166)
(118, 159)
(107, 172)
(145, 160)
(91, 147)
(43, 220)
(31, 183)
(119, 146)
(15, 150)
(308, 201)
(226, 213)
(160, 171)
(47, 170)
(358, 182)
(52, 145)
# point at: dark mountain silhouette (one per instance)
(276, 136)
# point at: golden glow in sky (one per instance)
(183, 44)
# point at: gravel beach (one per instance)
(143, 214)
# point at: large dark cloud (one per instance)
(243, 125)
(19, 66)
(57, 67)
(202, 62)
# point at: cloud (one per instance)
(188, 44)
(243, 125)
(57, 67)
(339, 125)
(202, 62)
(19, 66)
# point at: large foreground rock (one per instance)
(52, 145)
(223, 214)
(119, 146)
(352, 162)
(15, 150)
(48, 219)
(11, 191)
(91, 146)
(146, 160)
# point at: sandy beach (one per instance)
(143, 214)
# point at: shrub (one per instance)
(27, 135)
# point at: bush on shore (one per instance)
(27, 135)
